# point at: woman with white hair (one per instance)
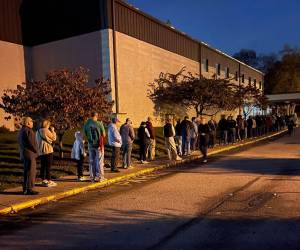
(45, 137)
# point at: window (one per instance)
(260, 85)
(227, 72)
(236, 75)
(249, 81)
(218, 69)
(254, 83)
(206, 65)
(243, 78)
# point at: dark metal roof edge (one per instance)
(183, 34)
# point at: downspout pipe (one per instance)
(115, 56)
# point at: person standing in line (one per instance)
(178, 131)
(95, 134)
(212, 124)
(78, 154)
(250, 127)
(290, 125)
(186, 126)
(28, 155)
(152, 143)
(169, 133)
(204, 137)
(232, 129)
(223, 126)
(45, 136)
(194, 134)
(127, 134)
(240, 127)
(254, 128)
(115, 142)
(143, 138)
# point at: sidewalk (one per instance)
(12, 200)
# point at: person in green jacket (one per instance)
(95, 134)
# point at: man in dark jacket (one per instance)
(203, 131)
(186, 126)
(28, 155)
(231, 123)
(127, 134)
(223, 127)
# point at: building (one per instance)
(112, 39)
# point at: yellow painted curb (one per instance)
(43, 200)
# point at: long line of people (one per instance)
(181, 140)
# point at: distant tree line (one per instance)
(282, 69)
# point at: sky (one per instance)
(230, 25)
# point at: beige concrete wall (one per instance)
(216, 58)
(12, 72)
(84, 50)
(139, 63)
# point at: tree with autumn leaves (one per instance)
(65, 98)
(206, 96)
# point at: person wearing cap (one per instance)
(115, 142)
(95, 133)
(127, 134)
(28, 155)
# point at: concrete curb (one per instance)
(43, 200)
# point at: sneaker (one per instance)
(96, 179)
(130, 167)
(81, 178)
(145, 162)
(178, 158)
(204, 161)
(30, 192)
(45, 183)
(52, 184)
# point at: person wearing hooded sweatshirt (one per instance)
(78, 154)
(115, 141)
(45, 136)
(95, 133)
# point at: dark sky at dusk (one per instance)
(230, 25)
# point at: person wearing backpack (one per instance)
(95, 134)
(45, 136)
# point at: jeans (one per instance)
(29, 173)
(127, 148)
(80, 166)
(186, 145)
(96, 166)
(46, 162)
(223, 136)
(143, 151)
(203, 145)
(115, 158)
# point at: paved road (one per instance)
(244, 200)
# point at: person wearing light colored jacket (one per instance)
(128, 136)
(115, 142)
(45, 136)
(78, 154)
